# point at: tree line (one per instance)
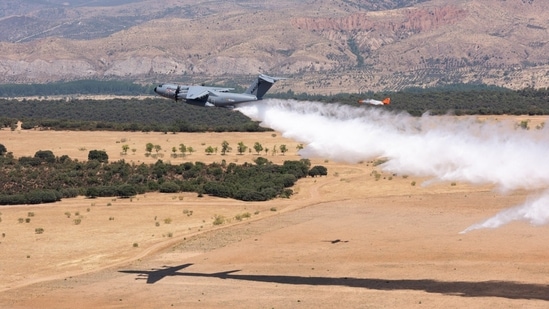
(46, 178)
(459, 99)
(158, 115)
(162, 115)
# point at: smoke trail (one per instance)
(444, 148)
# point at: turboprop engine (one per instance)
(172, 91)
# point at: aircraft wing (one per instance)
(197, 92)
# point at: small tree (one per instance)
(258, 147)
(183, 149)
(283, 149)
(174, 150)
(149, 147)
(209, 150)
(225, 147)
(241, 147)
(524, 125)
(125, 148)
(157, 148)
(190, 150)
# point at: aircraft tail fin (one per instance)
(260, 86)
(386, 101)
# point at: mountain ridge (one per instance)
(324, 46)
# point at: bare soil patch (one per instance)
(345, 240)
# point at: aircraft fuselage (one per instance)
(229, 99)
(211, 97)
(216, 96)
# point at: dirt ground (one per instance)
(345, 240)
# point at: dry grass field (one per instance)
(347, 240)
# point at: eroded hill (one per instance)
(325, 46)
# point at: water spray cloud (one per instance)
(444, 148)
(535, 211)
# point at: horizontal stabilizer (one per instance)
(271, 79)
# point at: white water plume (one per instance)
(535, 210)
(445, 148)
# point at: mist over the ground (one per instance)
(443, 148)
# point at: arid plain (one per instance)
(347, 240)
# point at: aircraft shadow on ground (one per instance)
(503, 289)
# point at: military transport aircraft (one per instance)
(217, 96)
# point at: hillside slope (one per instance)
(325, 46)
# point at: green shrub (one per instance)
(45, 156)
(169, 187)
(15, 199)
(98, 155)
(126, 191)
(218, 220)
(217, 189)
(318, 170)
(42, 196)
